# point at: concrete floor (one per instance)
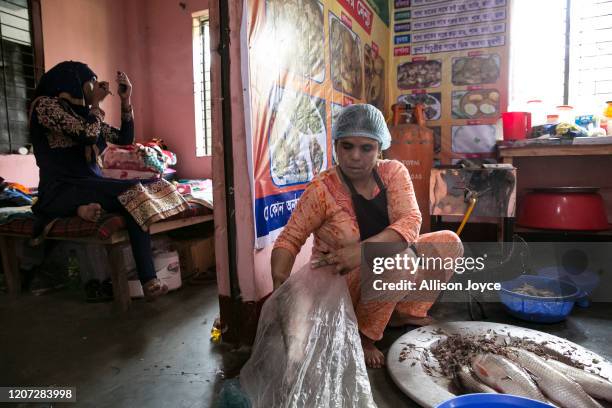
(160, 355)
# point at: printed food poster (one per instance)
(346, 59)
(374, 71)
(419, 74)
(473, 138)
(298, 137)
(476, 104)
(299, 36)
(306, 60)
(476, 70)
(455, 52)
(381, 8)
(432, 102)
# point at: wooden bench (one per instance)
(92, 233)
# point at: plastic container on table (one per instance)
(516, 125)
(566, 113)
(608, 110)
(608, 116)
(552, 119)
(538, 112)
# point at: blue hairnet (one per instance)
(362, 120)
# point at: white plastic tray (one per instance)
(429, 390)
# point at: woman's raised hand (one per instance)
(100, 91)
(124, 85)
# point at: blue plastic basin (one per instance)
(492, 401)
(587, 281)
(535, 308)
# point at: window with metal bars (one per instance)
(590, 54)
(201, 69)
(18, 76)
(561, 53)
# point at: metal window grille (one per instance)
(18, 76)
(565, 58)
(590, 73)
(203, 87)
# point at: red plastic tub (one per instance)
(563, 208)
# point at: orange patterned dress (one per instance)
(326, 209)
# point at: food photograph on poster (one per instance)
(473, 138)
(432, 103)
(374, 71)
(298, 35)
(346, 58)
(419, 74)
(481, 103)
(476, 70)
(306, 203)
(298, 137)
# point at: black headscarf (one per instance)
(67, 76)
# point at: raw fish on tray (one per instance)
(503, 375)
(479, 364)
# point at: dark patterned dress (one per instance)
(67, 139)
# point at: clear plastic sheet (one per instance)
(307, 352)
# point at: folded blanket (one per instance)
(134, 157)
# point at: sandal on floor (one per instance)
(154, 289)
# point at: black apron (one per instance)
(372, 215)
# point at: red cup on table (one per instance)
(516, 125)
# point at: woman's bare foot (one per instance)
(400, 320)
(90, 212)
(374, 358)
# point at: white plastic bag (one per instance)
(307, 352)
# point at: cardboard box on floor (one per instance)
(197, 256)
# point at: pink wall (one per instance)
(152, 41)
(169, 62)
(91, 31)
(65, 39)
(18, 168)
